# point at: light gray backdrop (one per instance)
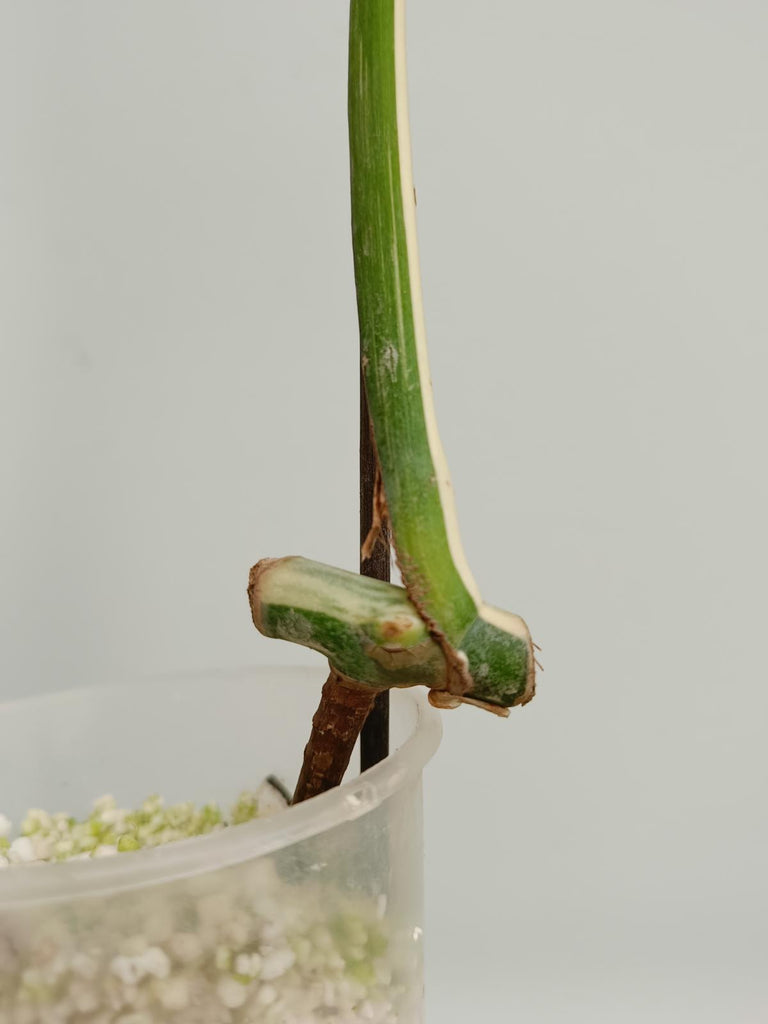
(178, 398)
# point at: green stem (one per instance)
(415, 474)
(390, 313)
(454, 641)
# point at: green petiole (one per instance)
(436, 630)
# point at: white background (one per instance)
(178, 398)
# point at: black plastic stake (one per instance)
(374, 739)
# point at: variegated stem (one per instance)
(454, 643)
(415, 476)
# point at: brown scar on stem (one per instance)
(392, 629)
(380, 519)
(254, 586)
(398, 657)
(458, 678)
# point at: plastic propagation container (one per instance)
(312, 915)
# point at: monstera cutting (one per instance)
(434, 630)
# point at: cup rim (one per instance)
(77, 879)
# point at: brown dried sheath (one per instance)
(374, 739)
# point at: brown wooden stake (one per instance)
(343, 709)
(374, 739)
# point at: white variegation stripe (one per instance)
(409, 216)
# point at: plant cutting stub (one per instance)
(435, 630)
(372, 633)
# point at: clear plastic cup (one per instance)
(312, 915)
